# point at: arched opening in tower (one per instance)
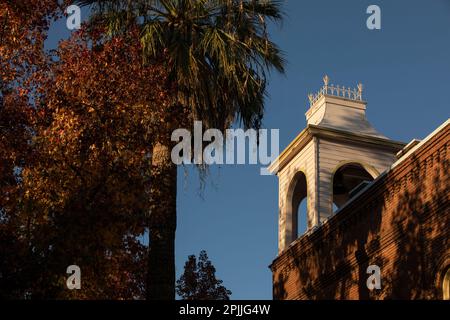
(299, 206)
(348, 180)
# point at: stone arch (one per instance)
(297, 192)
(446, 285)
(442, 272)
(347, 178)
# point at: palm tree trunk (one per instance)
(162, 226)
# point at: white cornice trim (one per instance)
(320, 131)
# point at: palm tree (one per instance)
(218, 55)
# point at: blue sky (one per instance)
(405, 69)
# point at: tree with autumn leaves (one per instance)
(85, 134)
(89, 189)
(23, 26)
(76, 164)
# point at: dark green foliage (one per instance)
(199, 282)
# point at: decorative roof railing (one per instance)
(337, 91)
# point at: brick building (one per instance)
(370, 201)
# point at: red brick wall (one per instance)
(401, 223)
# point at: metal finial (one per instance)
(360, 88)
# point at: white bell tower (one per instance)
(334, 157)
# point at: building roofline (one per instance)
(321, 131)
(365, 189)
(398, 162)
(420, 144)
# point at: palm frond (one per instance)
(218, 52)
